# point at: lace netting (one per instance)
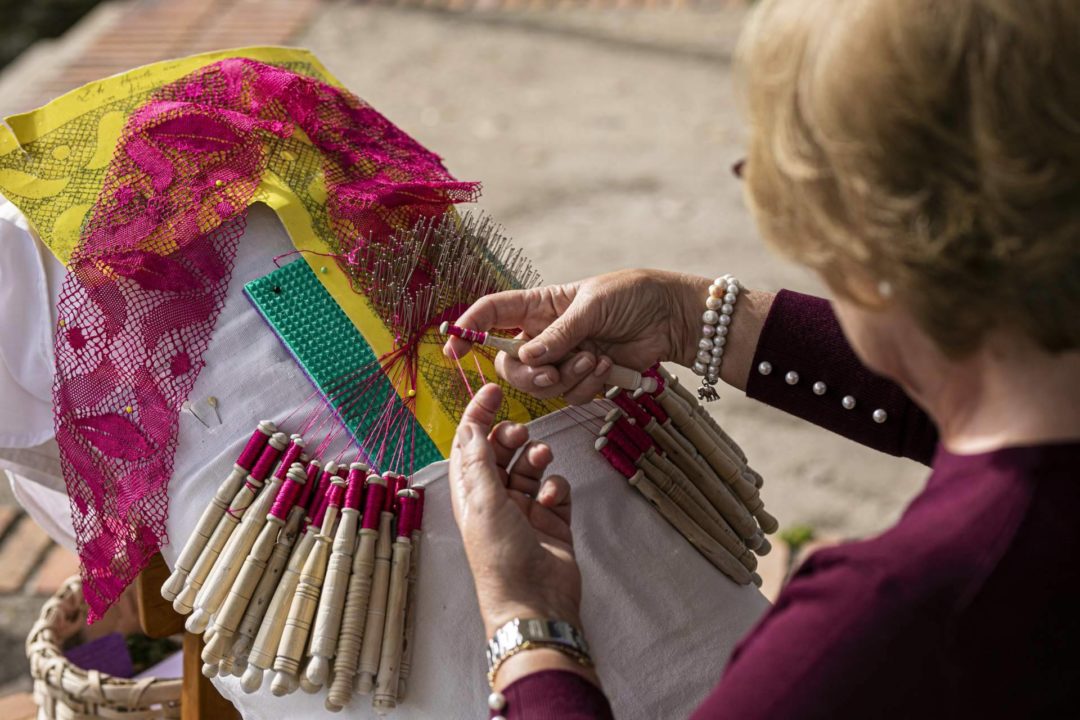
(148, 280)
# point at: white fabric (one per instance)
(660, 619)
(49, 508)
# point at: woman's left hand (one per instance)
(514, 522)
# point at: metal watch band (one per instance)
(523, 633)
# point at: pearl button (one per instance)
(819, 388)
(791, 378)
(496, 701)
(848, 402)
(880, 416)
(765, 368)
(710, 317)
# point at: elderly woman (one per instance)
(924, 158)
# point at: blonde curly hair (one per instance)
(933, 143)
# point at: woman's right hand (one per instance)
(634, 318)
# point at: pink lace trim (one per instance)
(149, 277)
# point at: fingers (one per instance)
(509, 309)
(578, 379)
(528, 471)
(562, 336)
(507, 438)
(472, 457)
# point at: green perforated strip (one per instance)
(328, 347)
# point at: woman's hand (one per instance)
(514, 522)
(634, 318)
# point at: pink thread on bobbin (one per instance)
(641, 439)
(357, 476)
(618, 460)
(286, 498)
(473, 336)
(266, 461)
(253, 449)
(407, 516)
(624, 443)
(625, 403)
(374, 500)
(646, 401)
(291, 455)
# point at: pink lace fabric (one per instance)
(149, 278)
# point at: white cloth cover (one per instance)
(661, 620)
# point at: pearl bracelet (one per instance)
(719, 306)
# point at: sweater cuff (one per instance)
(802, 335)
(554, 695)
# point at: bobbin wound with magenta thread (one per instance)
(374, 499)
(268, 457)
(408, 500)
(625, 403)
(255, 444)
(314, 488)
(473, 336)
(291, 455)
(641, 439)
(616, 458)
(355, 490)
(622, 442)
(290, 491)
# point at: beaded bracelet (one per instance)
(719, 306)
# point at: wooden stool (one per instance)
(199, 699)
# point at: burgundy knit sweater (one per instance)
(966, 608)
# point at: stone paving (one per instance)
(604, 139)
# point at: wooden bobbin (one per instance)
(411, 599)
(692, 401)
(371, 650)
(268, 584)
(306, 599)
(185, 600)
(228, 617)
(386, 680)
(662, 473)
(357, 598)
(618, 375)
(231, 559)
(324, 634)
(210, 517)
(716, 554)
(264, 649)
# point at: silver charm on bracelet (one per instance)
(719, 306)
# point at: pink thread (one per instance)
(406, 517)
(646, 401)
(464, 378)
(310, 484)
(292, 454)
(150, 274)
(624, 443)
(374, 499)
(357, 476)
(618, 460)
(473, 336)
(254, 447)
(631, 408)
(269, 456)
(641, 439)
(286, 498)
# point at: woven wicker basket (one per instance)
(65, 692)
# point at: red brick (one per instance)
(20, 553)
(59, 565)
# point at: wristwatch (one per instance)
(529, 633)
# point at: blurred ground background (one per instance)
(603, 132)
